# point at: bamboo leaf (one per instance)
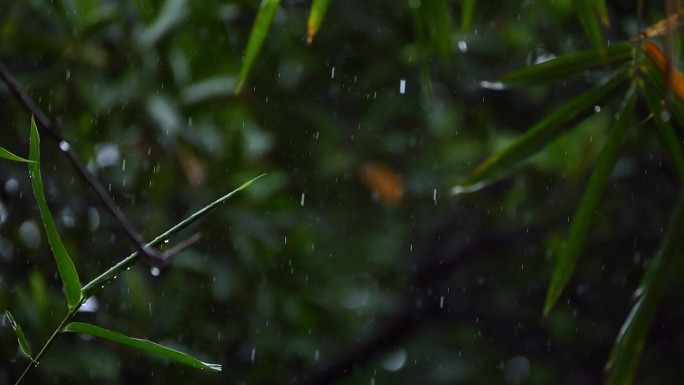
(624, 356)
(602, 12)
(67, 271)
(658, 57)
(316, 15)
(581, 223)
(4, 154)
(129, 261)
(566, 65)
(543, 132)
(437, 20)
(23, 345)
(661, 117)
(467, 12)
(587, 16)
(262, 24)
(151, 347)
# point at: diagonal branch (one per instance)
(44, 123)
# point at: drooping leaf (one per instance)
(588, 18)
(467, 12)
(543, 132)
(65, 266)
(4, 154)
(316, 15)
(23, 345)
(584, 216)
(567, 65)
(129, 261)
(262, 24)
(151, 347)
(661, 117)
(624, 355)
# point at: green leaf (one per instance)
(4, 154)
(67, 271)
(129, 261)
(96, 331)
(624, 356)
(543, 132)
(581, 222)
(586, 14)
(467, 12)
(262, 24)
(316, 15)
(661, 117)
(23, 345)
(437, 19)
(567, 65)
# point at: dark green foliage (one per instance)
(314, 259)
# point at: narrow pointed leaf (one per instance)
(151, 347)
(602, 12)
(67, 271)
(467, 12)
(667, 134)
(586, 14)
(542, 133)
(624, 356)
(316, 15)
(129, 261)
(4, 154)
(567, 65)
(584, 216)
(262, 24)
(23, 345)
(437, 19)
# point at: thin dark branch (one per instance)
(44, 123)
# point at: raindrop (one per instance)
(496, 86)
(462, 46)
(68, 218)
(93, 219)
(332, 73)
(106, 154)
(11, 186)
(402, 86)
(155, 271)
(253, 354)
(664, 116)
(441, 302)
(30, 234)
(68, 75)
(64, 145)
(123, 165)
(517, 370)
(597, 108)
(90, 305)
(394, 361)
(302, 201)
(317, 355)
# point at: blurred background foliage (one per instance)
(363, 134)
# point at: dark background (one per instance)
(313, 262)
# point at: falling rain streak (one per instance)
(402, 86)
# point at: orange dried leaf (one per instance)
(384, 182)
(676, 81)
(669, 24)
